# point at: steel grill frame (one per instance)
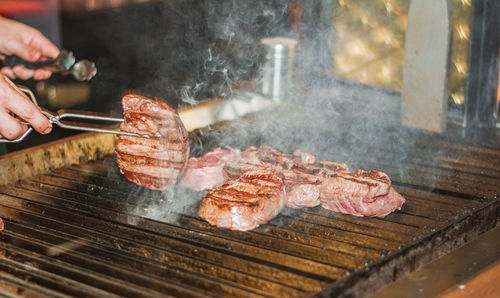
(79, 231)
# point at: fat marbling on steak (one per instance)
(362, 193)
(155, 162)
(244, 203)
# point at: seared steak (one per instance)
(158, 162)
(234, 169)
(272, 156)
(206, 172)
(302, 174)
(244, 203)
(304, 157)
(309, 183)
(302, 190)
(363, 193)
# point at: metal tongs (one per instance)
(56, 117)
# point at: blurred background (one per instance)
(190, 51)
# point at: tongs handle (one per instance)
(12, 61)
(63, 62)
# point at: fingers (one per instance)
(13, 100)
(7, 71)
(28, 43)
(47, 48)
(10, 129)
(35, 46)
(22, 73)
(41, 74)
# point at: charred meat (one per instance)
(246, 202)
(306, 182)
(302, 174)
(302, 190)
(362, 193)
(206, 172)
(155, 162)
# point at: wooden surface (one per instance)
(41, 159)
(472, 270)
(486, 284)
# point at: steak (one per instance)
(251, 156)
(272, 156)
(206, 172)
(309, 182)
(155, 162)
(245, 202)
(304, 157)
(301, 173)
(234, 169)
(362, 193)
(321, 168)
(302, 190)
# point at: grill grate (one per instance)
(84, 230)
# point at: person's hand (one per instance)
(28, 43)
(14, 103)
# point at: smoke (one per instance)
(209, 45)
(169, 206)
(201, 48)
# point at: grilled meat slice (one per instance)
(234, 169)
(251, 156)
(301, 173)
(302, 161)
(363, 193)
(160, 168)
(143, 124)
(156, 163)
(304, 157)
(206, 172)
(272, 156)
(144, 106)
(302, 190)
(161, 148)
(321, 168)
(245, 202)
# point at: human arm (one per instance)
(29, 44)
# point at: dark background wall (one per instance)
(182, 51)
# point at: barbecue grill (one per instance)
(77, 227)
(74, 226)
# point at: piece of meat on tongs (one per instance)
(159, 161)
